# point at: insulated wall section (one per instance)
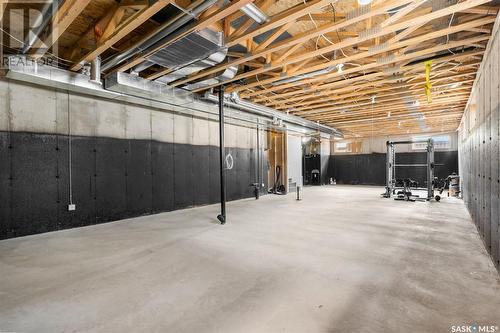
(479, 150)
(112, 159)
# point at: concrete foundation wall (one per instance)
(294, 155)
(325, 160)
(112, 159)
(369, 169)
(378, 144)
(479, 136)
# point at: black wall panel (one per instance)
(111, 179)
(139, 179)
(183, 176)
(83, 169)
(162, 160)
(214, 174)
(231, 177)
(5, 186)
(64, 217)
(34, 183)
(369, 169)
(201, 175)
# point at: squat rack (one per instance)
(391, 165)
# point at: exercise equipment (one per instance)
(391, 181)
(278, 187)
(315, 177)
(256, 191)
(405, 194)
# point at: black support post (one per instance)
(222, 216)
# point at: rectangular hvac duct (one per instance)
(193, 47)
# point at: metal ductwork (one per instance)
(304, 76)
(190, 54)
(193, 47)
(234, 101)
(167, 31)
(196, 51)
(227, 74)
(255, 13)
(95, 70)
(210, 61)
(134, 89)
(137, 86)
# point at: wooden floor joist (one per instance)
(358, 68)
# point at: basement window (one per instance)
(440, 142)
(341, 147)
(348, 147)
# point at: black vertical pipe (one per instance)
(222, 216)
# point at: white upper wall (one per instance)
(37, 109)
(294, 155)
(378, 144)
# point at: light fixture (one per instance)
(255, 13)
(416, 103)
(364, 2)
(373, 99)
(389, 114)
(303, 76)
(340, 67)
(455, 85)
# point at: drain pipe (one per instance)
(163, 32)
(237, 103)
(95, 71)
(222, 216)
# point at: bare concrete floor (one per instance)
(341, 260)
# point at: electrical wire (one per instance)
(22, 42)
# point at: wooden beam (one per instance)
(248, 21)
(112, 25)
(206, 22)
(405, 33)
(353, 97)
(394, 46)
(301, 38)
(281, 19)
(481, 10)
(65, 15)
(134, 4)
(288, 53)
(273, 36)
(122, 31)
(346, 43)
(322, 17)
(327, 87)
(402, 12)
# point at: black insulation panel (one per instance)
(162, 166)
(34, 183)
(369, 169)
(5, 186)
(111, 179)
